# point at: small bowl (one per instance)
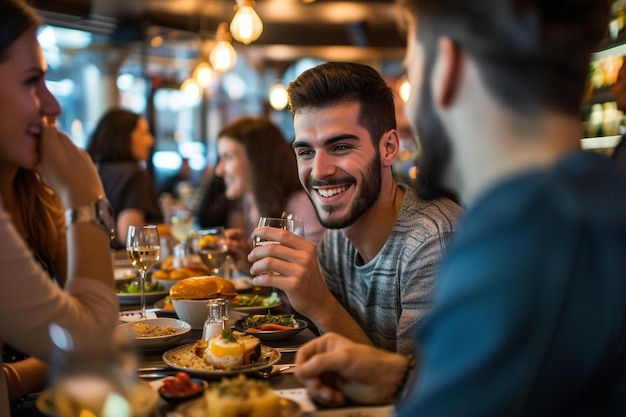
(193, 312)
(175, 399)
(156, 342)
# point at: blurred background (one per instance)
(191, 66)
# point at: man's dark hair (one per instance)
(532, 54)
(336, 83)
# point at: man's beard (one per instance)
(436, 148)
(366, 197)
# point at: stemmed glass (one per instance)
(143, 250)
(210, 245)
(181, 223)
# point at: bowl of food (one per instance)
(157, 333)
(130, 293)
(271, 327)
(180, 388)
(191, 296)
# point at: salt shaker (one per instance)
(213, 325)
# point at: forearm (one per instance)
(332, 317)
(88, 253)
(24, 377)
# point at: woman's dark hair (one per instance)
(111, 139)
(336, 83)
(272, 161)
(531, 54)
(16, 17)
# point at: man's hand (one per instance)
(335, 369)
(295, 259)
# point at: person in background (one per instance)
(29, 140)
(372, 275)
(259, 168)
(214, 208)
(119, 144)
(619, 92)
(529, 317)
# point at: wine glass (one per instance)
(210, 245)
(143, 250)
(181, 223)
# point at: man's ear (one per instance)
(389, 147)
(447, 71)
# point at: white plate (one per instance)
(269, 356)
(135, 299)
(196, 408)
(158, 342)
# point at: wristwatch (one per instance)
(100, 213)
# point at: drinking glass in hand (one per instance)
(295, 226)
(210, 245)
(143, 250)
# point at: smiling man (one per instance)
(371, 277)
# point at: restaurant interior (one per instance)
(179, 63)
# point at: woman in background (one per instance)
(119, 144)
(259, 167)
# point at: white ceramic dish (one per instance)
(269, 356)
(157, 342)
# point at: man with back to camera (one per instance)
(530, 314)
(372, 276)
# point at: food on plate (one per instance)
(241, 397)
(135, 287)
(179, 273)
(149, 330)
(247, 351)
(255, 300)
(268, 323)
(229, 350)
(201, 288)
(180, 385)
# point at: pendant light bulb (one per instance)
(203, 74)
(246, 26)
(223, 56)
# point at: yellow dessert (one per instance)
(241, 397)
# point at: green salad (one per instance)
(258, 320)
(135, 287)
(255, 300)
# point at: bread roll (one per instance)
(202, 288)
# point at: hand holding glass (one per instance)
(295, 226)
(143, 250)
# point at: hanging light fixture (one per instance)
(278, 96)
(203, 74)
(223, 56)
(246, 26)
(191, 91)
